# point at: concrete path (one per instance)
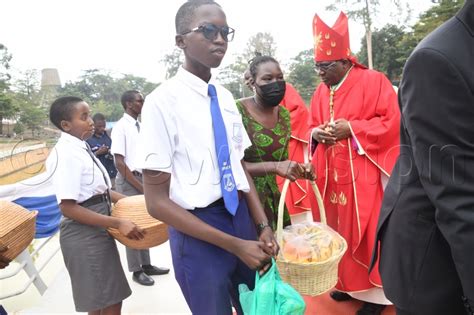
(163, 298)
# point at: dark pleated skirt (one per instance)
(93, 263)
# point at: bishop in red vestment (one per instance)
(354, 127)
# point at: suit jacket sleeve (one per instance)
(438, 110)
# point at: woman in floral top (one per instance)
(268, 126)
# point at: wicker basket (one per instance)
(17, 228)
(134, 209)
(313, 278)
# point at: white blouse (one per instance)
(75, 175)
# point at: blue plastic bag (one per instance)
(271, 296)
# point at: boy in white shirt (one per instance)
(125, 135)
(192, 145)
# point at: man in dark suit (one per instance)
(426, 225)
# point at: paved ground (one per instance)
(162, 298)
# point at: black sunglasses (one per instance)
(324, 66)
(210, 32)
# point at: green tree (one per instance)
(262, 43)
(102, 91)
(366, 12)
(19, 128)
(111, 111)
(428, 22)
(232, 78)
(32, 117)
(82, 88)
(101, 107)
(302, 75)
(131, 82)
(232, 75)
(7, 109)
(28, 84)
(435, 16)
(27, 99)
(172, 62)
(387, 56)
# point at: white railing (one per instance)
(22, 149)
(26, 263)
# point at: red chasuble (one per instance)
(349, 172)
(297, 199)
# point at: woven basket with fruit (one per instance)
(310, 252)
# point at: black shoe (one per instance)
(340, 296)
(370, 309)
(142, 278)
(154, 271)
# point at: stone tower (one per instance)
(50, 84)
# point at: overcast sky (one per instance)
(131, 36)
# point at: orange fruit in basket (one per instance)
(305, 254)
(290, 252)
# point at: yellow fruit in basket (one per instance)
(325, 253)
(310, 242)
(320, 254)
(316, 229)
(316, 256)
(336, 245)
(299, 229)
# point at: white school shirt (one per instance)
(75, 175)
(177, 137)
(124, 141)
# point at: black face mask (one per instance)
(271, 93)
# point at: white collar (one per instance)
(130, 119)
(73, 140)
(335, 87)
(194, 82)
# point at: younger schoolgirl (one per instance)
(82, 187)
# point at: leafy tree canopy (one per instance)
(232, 75)
(428, 22)
(102, 91)
(388, 58)
(434, 17)
(172, 62)
(7, 109)
(302, 75)
(26, 97)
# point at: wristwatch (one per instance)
(262, 226)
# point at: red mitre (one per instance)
(331, 43)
